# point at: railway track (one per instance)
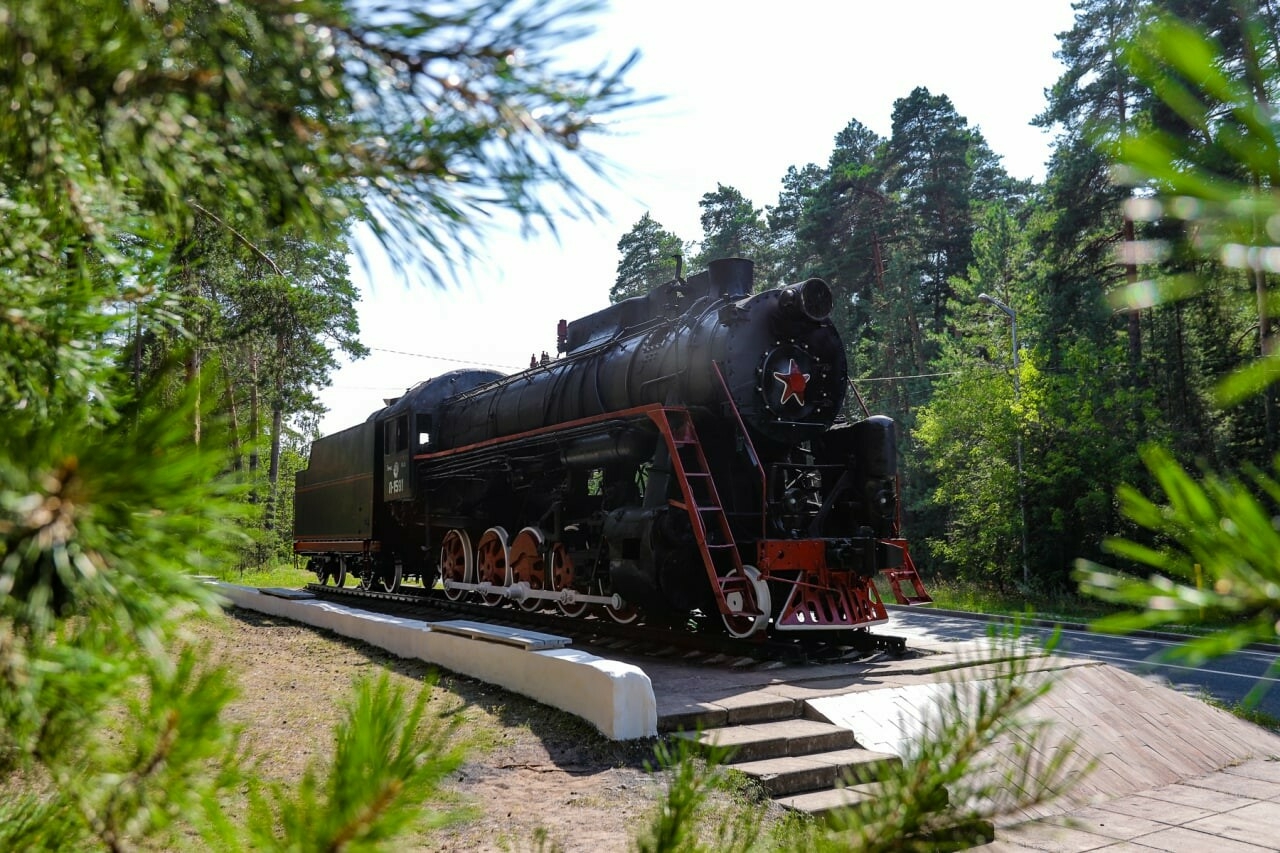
(697, 640)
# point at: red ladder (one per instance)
(719, 552)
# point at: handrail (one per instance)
(866, 413)
(751, 449)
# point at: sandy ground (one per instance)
(535, 778)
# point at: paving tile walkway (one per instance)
(1234, 810)
(1172, 772)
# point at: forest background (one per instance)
(1006, 480)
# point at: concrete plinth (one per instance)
(616, 698)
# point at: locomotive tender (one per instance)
(686, 454)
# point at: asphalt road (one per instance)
(1228, 679)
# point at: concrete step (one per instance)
(797, 774)
(776, 739)
(823, 802)
(752, 707)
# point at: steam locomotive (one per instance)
(685, 455)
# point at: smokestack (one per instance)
(731, 277)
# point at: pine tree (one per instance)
(650, 256)
(1206, 126)
(1096, 98)
(732, 227)
(124, 124)
(930, 172)
(843, 231)
(792, 258)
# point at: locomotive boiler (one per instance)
(685, 454)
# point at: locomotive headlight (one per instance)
(810, 299)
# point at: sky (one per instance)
(745, 91)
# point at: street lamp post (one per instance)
(1017, 394)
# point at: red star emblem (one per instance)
(793, 383)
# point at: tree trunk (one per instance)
(1127, 230)
(137, 348)
(1266, 345)
(255, 424)
(229, 397)
(273, 467)
(277, 427)
(1135, 315)
(1266, 350)
(193, 378)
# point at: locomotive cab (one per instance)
(397, 459)
(407, 423)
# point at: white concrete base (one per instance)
(616, 698)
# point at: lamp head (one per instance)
(991, 300)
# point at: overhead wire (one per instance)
(444, 358)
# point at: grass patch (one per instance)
(1250, 714)
(1053, 607)
(1060, 606)
(1257, 716)
(276, 574)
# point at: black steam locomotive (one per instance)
(686, 454)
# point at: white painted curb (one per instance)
(616, 698)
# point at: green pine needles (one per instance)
(150, 154)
